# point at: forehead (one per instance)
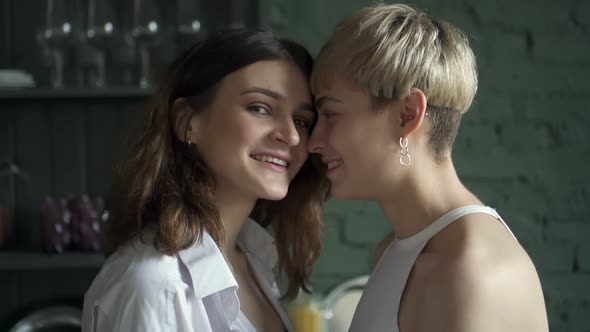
(278, 82)
(275, 74)
(338, 88)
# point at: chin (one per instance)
(275, 194)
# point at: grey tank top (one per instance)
(378, 307)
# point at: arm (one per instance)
(135, 313)
(469, 296)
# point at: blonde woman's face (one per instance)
(254, 134)
(357, 143)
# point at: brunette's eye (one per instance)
(302, 122)
(259, 109)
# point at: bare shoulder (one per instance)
(481, 286)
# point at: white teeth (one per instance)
(334, 164)
(270, 159)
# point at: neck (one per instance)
(425, 194)
(234, 211)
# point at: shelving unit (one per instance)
(74, 133)
(29, 260)
(70, 93)
(67, 140)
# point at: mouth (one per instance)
(270, 159)
(334, 164)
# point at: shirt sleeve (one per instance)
(153, 311)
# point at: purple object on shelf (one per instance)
(85, 224)
(55, 223)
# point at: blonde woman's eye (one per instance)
(259, 109)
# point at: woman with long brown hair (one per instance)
(216, 190)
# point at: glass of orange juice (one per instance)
(305, 314)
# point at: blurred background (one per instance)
(75, 73)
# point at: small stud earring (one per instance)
(187, 135)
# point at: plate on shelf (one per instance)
(14, 78)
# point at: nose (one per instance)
(315, 144)
(286, 133)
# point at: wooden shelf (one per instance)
(83, 93)
(29, 260)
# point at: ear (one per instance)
(184, 119)
(413, 112)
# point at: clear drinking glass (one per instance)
(57, 36)
(146, 33)
(100, 35)
(189, 23)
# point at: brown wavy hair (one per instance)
(165, 185)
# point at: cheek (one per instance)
(349, 143)
(338, 136)
(239, 136)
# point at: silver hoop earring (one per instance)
(405, 159)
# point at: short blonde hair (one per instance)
(388, 49)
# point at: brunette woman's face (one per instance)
(254, 133)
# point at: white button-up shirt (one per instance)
(139, 289)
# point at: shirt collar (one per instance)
(208, 269)
(260, 248)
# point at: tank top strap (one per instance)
(438, 225)
(447, 218)
(457, 213)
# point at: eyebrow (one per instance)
(267, 92)
(326, 99)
